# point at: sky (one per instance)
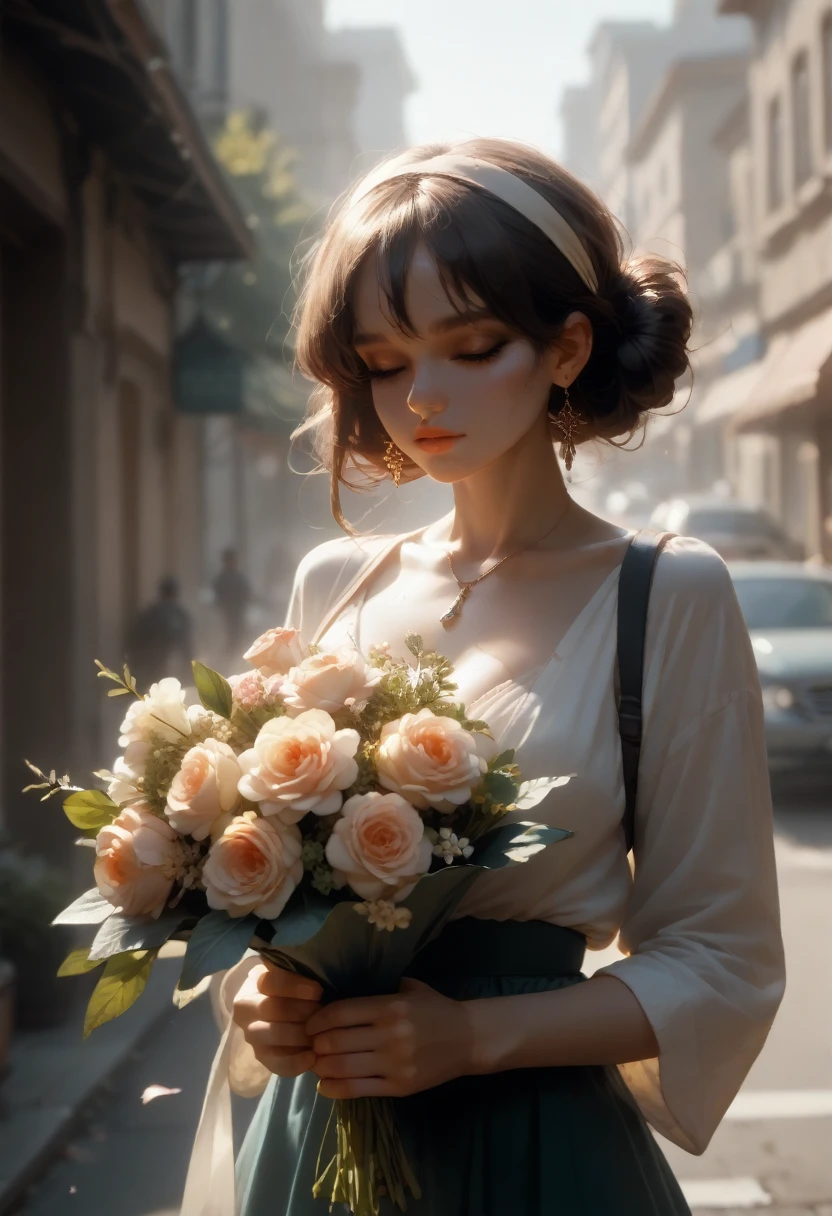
(492, 67)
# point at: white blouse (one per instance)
(698, 915)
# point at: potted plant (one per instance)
(31, 895)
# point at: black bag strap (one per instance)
(634, 583)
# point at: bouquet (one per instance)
(327, 809)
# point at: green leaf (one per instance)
(514, 843)
(120, 933)
(184, 996)
(217, 943)
(119, 692)
(90, 810)
(122, 983)
(214, 690)
(91, 908)
(531, 793)
(500, 788)
(505, 758)
(415, 644)
(78, 962)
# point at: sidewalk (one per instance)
(54, 1075)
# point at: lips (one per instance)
(434, 439)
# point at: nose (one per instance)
(425, 398)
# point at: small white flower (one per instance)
(384, 914)
(449, 846)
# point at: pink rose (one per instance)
(328, 682)
(137, 857)
(253, 867)
(275, 651)
(204, 789)
(432, 760)
(298, 765)
(378, 845)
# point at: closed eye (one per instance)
(387, 373)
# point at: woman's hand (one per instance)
(390, 1046)
(273, 1007)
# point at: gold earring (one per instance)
(568, 421)
(394, 459)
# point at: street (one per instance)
(772, 1153)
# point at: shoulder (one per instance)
(690, 572)
(697, 640)
(326, 572)
(339, 557)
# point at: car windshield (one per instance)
(785, 603)
(728, 522)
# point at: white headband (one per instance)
(511, 189)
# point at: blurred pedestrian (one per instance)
(159, 641)
(232, 596)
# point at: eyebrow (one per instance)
(456, 320)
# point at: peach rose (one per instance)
(329, 682)
(161, 712)
(204, 789)
(275, 652)
(298, 765)
(137, 856)
(253, 867)
(432, 760)
(379, 846)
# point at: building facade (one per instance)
(787, 414)
(106, 187)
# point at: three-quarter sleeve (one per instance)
(701, 929)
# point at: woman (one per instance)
(466, 307)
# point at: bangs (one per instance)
(482, 249)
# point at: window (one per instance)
(775, 154)
(826, 40)
(801, 119)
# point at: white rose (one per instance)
(379, 846)
(253, 867)
(127, 771)
(204, 789)
(328, 682)
(161, 712)
(137, 858)
(298, 765)
(275, 651)
(432, 760)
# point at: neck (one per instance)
(512, 503)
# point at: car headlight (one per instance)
(777, 696)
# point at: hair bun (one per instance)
(640, 348)
(654, 323)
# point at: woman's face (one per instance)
(461, 393)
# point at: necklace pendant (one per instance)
(455, 609)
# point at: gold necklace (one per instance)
(465, 589)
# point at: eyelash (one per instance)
(374, 373)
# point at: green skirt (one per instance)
(531, 1142)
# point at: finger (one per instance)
(277, 1035)
(359, 1064)
(363, 1087)
(342, 1042)
(285, 1065)
(285, 1009)
(363, 1011)
(274, 981)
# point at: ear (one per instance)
(569, 354)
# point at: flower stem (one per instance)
(369, 1162)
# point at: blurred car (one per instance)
(788, 610)
(737, 532)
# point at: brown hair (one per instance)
(641, 318)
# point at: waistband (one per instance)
(474, 947)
